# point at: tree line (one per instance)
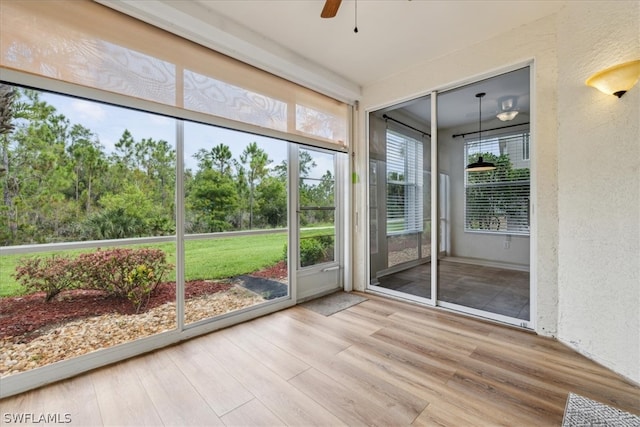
(59, 183)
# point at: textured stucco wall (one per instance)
(599, 187)
(535, 41)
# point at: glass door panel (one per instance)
(400, 200)
(317, 207)
(318, 220)
(483, 264)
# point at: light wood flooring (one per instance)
(380, 362)
(492, 289)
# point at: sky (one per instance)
(109, 122)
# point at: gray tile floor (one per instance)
(491, 289)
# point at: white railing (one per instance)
(89, 244)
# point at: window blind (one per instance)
(498, 201)
(84, 43)
(404, 184)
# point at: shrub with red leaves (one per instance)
(49, 275)
(126, 273)
(122, 272)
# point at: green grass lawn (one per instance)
(204, 259)
(229, 257)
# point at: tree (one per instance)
(38, 174)
(242, 190)
(204, 159)
(271, 203)
(305, 163)
(219, 157)
(89, 161)
(325, 194)
(7, 110)
(129, 213)
(213, 197)
(281, 170)
(58, 182)
(114, 224)
(257, 161)
(125, 150)
(160, 165)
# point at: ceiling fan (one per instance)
(330, 8)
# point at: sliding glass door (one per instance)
(482, 232)
(486, 269)
(400, 204)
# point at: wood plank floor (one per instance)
(380, 362)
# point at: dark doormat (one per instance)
(333, 303)
(267, 289)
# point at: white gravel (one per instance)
(84, 336)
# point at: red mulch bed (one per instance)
(24, 316)
(275, 272)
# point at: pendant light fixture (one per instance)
(508, 109)
(480, 165)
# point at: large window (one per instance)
(404, 198)
(87, 226)
(498, 201)
(95, 205)
(235, 220)
(404, 184)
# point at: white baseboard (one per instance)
(488, 263)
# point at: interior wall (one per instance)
(599, 187)
(479, 246)
(514, 48)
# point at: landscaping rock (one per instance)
(83, 336)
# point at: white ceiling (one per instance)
(288, 38)
(392, 34)
(459, 106)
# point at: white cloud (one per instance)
(89, 110)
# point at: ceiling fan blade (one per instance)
(330, 8)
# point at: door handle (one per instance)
(335, 267)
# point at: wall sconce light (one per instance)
(616, 80)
